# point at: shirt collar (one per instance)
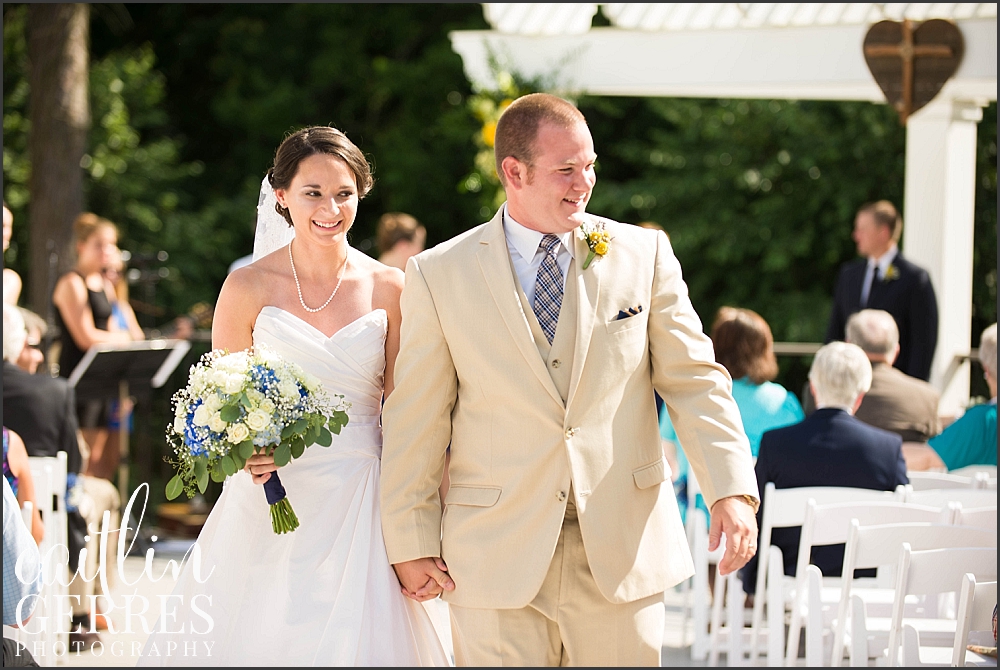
(885, 260)
(526, 241)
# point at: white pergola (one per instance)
(793, 51)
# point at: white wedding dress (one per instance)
(324, 594)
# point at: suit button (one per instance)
(556, 363)
(571, 432)
(561, 496)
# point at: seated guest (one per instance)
(972, 438)
(17, 472)
(829, 448)
(744, 345)
(896, 401)
(42, 410)
(18, 544)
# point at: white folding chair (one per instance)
(698, 592)
(787, 508)
(974, 623)
(49, 474)
(979, 517)
(865, 615)
(925, 481)
(815, 596)
(931, 573)
(941, 497)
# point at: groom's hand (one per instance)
(423, 578)
(736, 518)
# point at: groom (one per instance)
(560, 531)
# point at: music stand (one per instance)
(142, 365)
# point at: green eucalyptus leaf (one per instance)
(230, 413)
(300, 426)
(325, 439)
(203, 481)
(298, 448)
(245, 401)
(174, 487)
(245, 449)
(228, 466)
(282, 454)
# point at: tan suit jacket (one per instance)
(469, 375)
(901, 404)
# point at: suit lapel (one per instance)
(588, 284)
(494, 261)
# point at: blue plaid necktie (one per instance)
(548, 288)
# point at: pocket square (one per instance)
(632, 311)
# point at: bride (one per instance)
(324, 594)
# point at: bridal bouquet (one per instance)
(239, 404)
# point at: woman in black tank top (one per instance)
(82, 298)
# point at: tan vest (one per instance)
(558, 356)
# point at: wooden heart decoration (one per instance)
(911, 65)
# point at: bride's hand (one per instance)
(260, 467)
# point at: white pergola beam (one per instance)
(790, 63)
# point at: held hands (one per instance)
(424, 578)
(260, 468)
(735, 518)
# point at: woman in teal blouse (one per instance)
(744, 345)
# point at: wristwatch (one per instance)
(750, 500)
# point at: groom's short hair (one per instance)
(518, 125)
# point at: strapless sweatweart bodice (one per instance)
(324, 594)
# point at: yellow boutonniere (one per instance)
(598, 241)
(891, 272)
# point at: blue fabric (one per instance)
(971, 439)
(17, 541)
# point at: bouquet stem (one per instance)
(283, 519)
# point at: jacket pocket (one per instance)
(616, 326)
(475, 496)
(652, 474)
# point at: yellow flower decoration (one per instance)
(598, 241)
(489, 133)
(891, 272)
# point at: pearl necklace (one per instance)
(298, 287)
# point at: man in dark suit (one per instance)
(829, 448)
(896, 401)
(883, 279)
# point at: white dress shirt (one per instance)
(522, 244)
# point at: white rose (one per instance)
(255, 396)
(258, 420)
(267, 406)
(311, 382)
(213, 402)
(216, 423)
(179, 424)
(237, 432)
(234, 383)
(202, 416)
(219, 377)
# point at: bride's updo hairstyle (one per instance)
(311, 141)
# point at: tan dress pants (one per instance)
(568, 623)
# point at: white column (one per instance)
(938, 216)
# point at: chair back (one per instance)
(976, 604)
(941, 497)
(932, 572)
(978, 517)
(925, 481)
